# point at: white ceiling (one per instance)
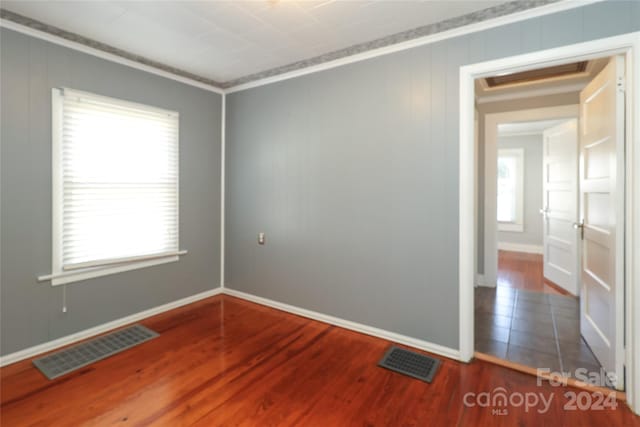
(225, 40)
(526, 128)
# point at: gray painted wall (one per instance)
(532, 198)
(30, 311)
(352, 173)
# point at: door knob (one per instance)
(580, 226)
(544, 211)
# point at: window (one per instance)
(510, 189)
(115, 186)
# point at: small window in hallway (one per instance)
(510, 189)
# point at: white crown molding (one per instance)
(569, 88)
(523, 133)
(551, 8)
(421, 41)
(105, 327)
(347, 324)
(4, 23)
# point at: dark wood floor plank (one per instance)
(224, 361)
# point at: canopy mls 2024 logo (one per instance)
(499, 400)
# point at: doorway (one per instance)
(557, 160)
(531, 315)
(468, 238)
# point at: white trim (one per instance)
(347, 324)
(57, 196)
(490, 170)
(420, 41)
(61, 274)
(223, 155)
(632, 223)
(105, 327)
(466, 222)
(480, 281)
(511, 227)
(126, 260)
(105, 55)
(66, 277)
(628, 44)
(548, 9)
(523, 133)
(520, 247)
(532, 93)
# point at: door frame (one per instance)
(489, 276)
(628, 45)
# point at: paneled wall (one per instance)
(352, 173)
(30, 311)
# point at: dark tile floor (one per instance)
(531, 328)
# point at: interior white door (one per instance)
(602, 214)
(560, 201)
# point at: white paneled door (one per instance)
(602, 217)
(560, 201)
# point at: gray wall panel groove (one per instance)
(352, 173)
(31, 311)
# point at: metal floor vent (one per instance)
(410, 363)
(72, 358)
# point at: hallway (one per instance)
(526, 321)
(520, 270)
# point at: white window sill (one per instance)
(510, 226)
(63, 278)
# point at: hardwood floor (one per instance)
(225, 361)
(519, 270)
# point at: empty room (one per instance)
(320, 213)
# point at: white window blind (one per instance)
(507, 188)
(115, 181)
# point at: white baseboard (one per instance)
(481, 280)
(96, 330)
(347, 324)
(105, 327)
(519, 247)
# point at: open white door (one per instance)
(560, 200)
(602, 213)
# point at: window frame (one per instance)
(60, 276)
(518, 224)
